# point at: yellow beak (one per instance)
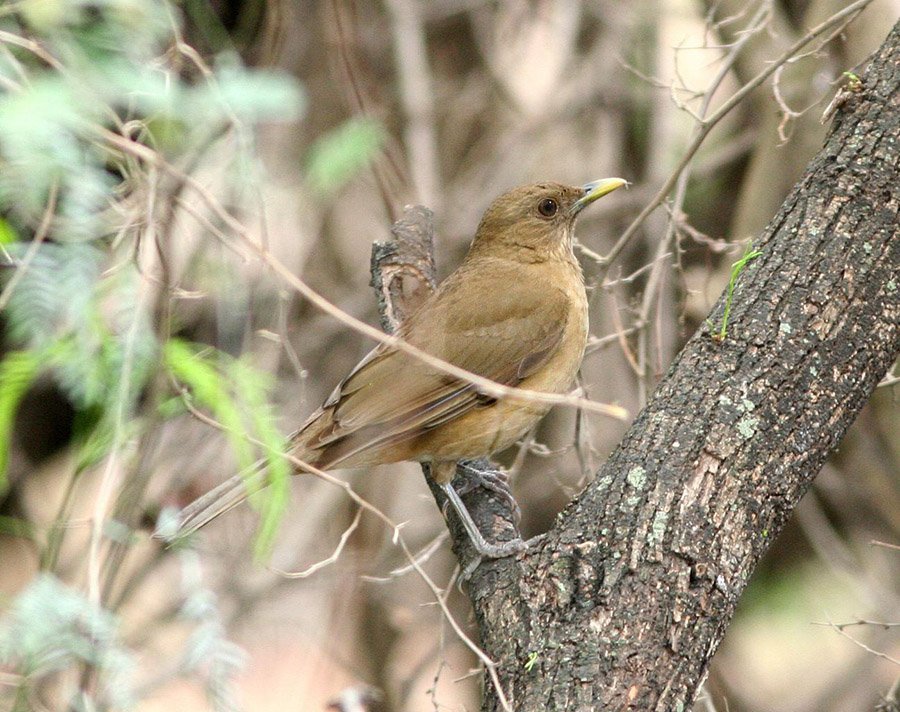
(595, 190)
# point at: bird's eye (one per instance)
(548, 207)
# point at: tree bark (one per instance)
(623, 603)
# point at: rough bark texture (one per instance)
(624, 602)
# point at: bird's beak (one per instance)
(597, 189)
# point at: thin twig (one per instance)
(707, 126)
(111, 471)
(324, 562)
(876, 653)
(34, 47)
(425, 553)
(850, 624)
(39, 237)
(652, 289)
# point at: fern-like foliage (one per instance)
(51, 628)
(99, 101)
(208, 653)
(54, 293)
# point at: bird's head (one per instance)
(534, 223)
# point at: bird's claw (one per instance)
(480, 474)
(491, 551)
(479, 543)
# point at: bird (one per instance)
(514, 311)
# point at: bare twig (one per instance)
(850, 624)
(328, 561)
(34, 47)
(39, 237)
(703, 129)
(418, 99)
(872, 651)
(424, 554)
(113, 467)
(652, 289)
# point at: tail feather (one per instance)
(219, 500)
(236, 489)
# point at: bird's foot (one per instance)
(491, 551)
(480, 473)
(479, 543)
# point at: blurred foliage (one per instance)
(17, 372)
(207, 653)
(49, 628)
(76, 308)
(340, 154)
(236, 394)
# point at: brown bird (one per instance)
(515, 312)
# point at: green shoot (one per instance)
(736, 269)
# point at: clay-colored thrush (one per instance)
(514, 312)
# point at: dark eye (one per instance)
(548, 207)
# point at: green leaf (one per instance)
(210, 390)
(8, 234)
(250, 96)
(17, 372)
(237, 395)
(272, 501)
(736, 269)
(342, 153)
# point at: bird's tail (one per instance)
(219, 500)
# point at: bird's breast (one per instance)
(494, 427)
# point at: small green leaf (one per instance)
(736, 269)
(210, 390)
(17, 372)
(8, 234)
(272, 501)
(342, 153)
(237, 396)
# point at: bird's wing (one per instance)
(392, 396)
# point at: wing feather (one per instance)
(392, 396)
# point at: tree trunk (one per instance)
(624, 602)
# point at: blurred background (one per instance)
(146, 147)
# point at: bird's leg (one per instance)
(491, 551)
(482, 473)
